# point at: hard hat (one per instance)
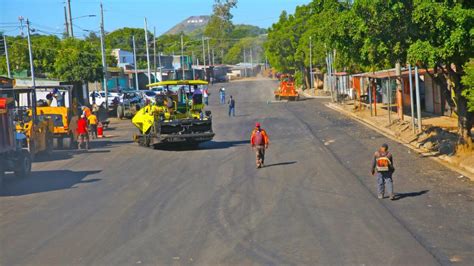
(257, 124)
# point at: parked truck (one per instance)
(13, 156)
(38, 129)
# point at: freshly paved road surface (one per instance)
(314, 203)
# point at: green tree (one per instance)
(468, 81)
(220, 26)
(122, 38)
(444, 41)
(78, 61)
(381, 31)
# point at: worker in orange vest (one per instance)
(259, 141)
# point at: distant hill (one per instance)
(189, 25)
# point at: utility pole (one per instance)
(32, 67)
(71, 33)
(251, 61)
(412, 104)
(204, 57)
(213, 62)
(104, 61)
(182, 57)
(245, 66)
(399, 91)
(66, 23)
(135, 62)
(20, 18)
(208, 51)
(192, 66)
(161, 71)
(147, 52)
(154, 52)
(418, 104)
(310, 64)
(6, 55)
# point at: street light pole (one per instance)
(418, 101)
(32, 67)
(310, 64)
(161, 71)
(154, 53)
(104, 61)
(66, 22)
(204, 57)
(147, 52)
(412, 104)
(182, 57)
(71, 33)
(6, 56)
(135, 63)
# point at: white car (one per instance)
(100, 99)
(149, 95)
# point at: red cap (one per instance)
(257, 124)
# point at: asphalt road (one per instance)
(313, 203)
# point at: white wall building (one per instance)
(123, 57)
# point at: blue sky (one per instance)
(48, 15)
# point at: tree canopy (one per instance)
(368, 35)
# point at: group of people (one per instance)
(230, 102)
(86, 126)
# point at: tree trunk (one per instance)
(465, 118)
(306, 77)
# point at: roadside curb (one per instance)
(306, 95)
(444, 159)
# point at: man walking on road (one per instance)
(231, 104)
(382, 168)
(259, 141)
(222, 95)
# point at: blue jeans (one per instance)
(231, 111)
(384, 181)
(222, 99)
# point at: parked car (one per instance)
(149, 95)
(131, 97)
(100, 99)
(158, 90)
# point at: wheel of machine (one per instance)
(23, 164)
(119, 112)
(67, 142)
(56, 143)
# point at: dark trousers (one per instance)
(93, 131)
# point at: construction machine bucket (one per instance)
(143, 119)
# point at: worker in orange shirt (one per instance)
(86, 111)
(259, 141)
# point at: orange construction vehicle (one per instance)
(286, 89)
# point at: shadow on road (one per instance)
(400, 196)
(278, 164)
(59, 155)
(44, 181)
(102, 143)
(210, 145)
